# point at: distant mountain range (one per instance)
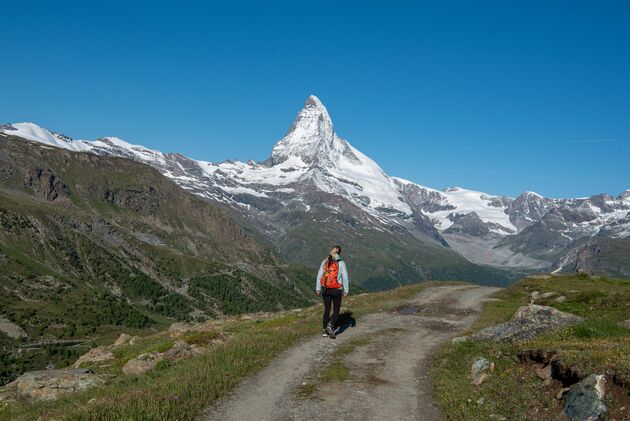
(316, 189)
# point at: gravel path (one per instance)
(388, 374)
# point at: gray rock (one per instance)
(98, 354)
(528, 322)
(477, 369)
(479, 365)
(142, 364)
(11, 329)
(560, 299)
(51, 384)
(179, 328)
(123, 339)
(583, 401)
(180, 351)
(459, 339)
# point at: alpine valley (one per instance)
(108, 233)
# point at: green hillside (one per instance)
(90, 245)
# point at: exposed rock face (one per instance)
(51, 384)
(181, 350)
(583, 401)
(142, 364)
(45, 183)
(11, 329)
(178, 329)
(94, 355)
(528, 322)
(123, 339)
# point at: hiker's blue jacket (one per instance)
(342, 276)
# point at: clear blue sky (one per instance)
(500, 96)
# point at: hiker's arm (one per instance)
(320, 273)
(344, 277)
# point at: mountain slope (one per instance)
(92, 244)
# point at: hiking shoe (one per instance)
(324, 333)
(331, 332)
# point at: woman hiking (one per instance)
(332, 283)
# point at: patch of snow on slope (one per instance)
(466, 201)
(35, 133)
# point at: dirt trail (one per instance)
(388, 372)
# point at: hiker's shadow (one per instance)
(345, 321)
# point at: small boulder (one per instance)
(178, 329)
(460, 339)
(11, 329)
(533, 296)
(560, 299)
(548, 294)
(583, 401)
(479, 365)
(123, 339)
(51, 384)
(180, 351)
(528, 322)
(477, 369)
(142, 364)
(94, 355)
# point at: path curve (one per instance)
(388, 374)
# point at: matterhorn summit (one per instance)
(310, 134)
(334, 166)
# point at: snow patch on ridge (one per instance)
(466, 201)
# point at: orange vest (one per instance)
(329, 278)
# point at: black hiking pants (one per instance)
(331, 296)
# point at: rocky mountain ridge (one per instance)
(313, 166)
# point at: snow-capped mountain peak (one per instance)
(310, 134)
(35, 133)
